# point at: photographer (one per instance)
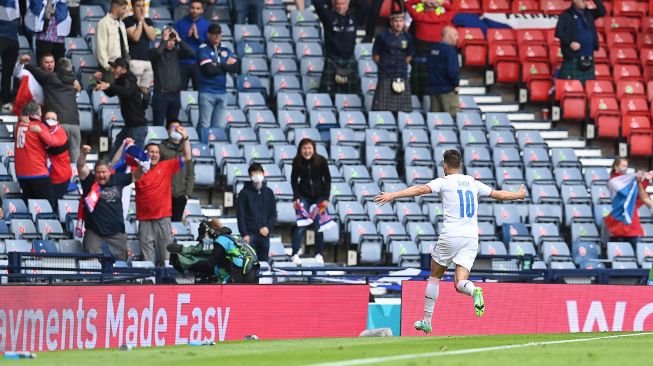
(219, 254)
(167, 76)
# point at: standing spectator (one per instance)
(9, 25)
(111, 37)
(215, 62)
(101, 214)
(76, 21)
(50, 21)
(429, 19)
(311, 184)
(131, 102)
(444, 73)
(578, 39)
(619, 230)
(60, 170)
(184, 180)
(340, 73)
(248, 11)
(192, 29)
(60, 93)
(140, 31)
(166, 101)
(392, 52)
(154, 201)
(30, 156)
(257, 212)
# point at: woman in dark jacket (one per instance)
(578, 40)
(311, 185)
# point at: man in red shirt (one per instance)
(30, 155)
(154, 201)
(60, 169)
(429, 19)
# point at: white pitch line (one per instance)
(366, 361)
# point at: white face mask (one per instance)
(51, 122)
(623, 171)
(175, 136)
(257, 178)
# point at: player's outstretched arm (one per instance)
(509, 196)
(385, 197)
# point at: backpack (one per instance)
(244, 251)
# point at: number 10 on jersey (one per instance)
(466, 203)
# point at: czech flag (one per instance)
(623, 221)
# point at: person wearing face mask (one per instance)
(31, 141)
(60, 94)
(154, 200)
(60, 170)
(311, 185)
(183, 181)
(618, 230)
(257, 212)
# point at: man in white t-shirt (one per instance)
(458, 241)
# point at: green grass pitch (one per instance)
(583, 349)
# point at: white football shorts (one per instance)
(461, 251)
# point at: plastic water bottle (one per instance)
(17, 355)
(252, 337)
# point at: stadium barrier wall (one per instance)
(531, 308)
(47, 318)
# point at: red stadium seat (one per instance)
(604, 108)
(496, 6)
(630, 87)
(599, 87)
(621, 24)
(601, 56)
(555, 55)
(602, 72)
(641, 143)
(635, 113)
(501, 36)
(649, 89)
(603, 103)
(533, 53)
(608, 124)
(470, 6)
(572, 99)
(629, 8)
(626, 72)
(644, 39)
(620, 38)
(553, 7)
(525, 7)
(623, 55)
(473, 46)
(647, 24)
(537, 77)
(531, 36)
(505, 61)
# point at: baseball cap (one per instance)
(214, 28)
(120, 61)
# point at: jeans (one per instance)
(9, 55)
(299, 232)
(262, 246)
(137, 133)
(165, 107)
(250, 10)
(212, 107)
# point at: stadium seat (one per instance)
(572, 99)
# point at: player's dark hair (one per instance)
(452, 158)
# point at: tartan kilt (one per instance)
(328, 82)
(569, 70)
(385, 99)
(419, 76)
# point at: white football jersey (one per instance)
(459, 194)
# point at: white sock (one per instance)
(466, 287)
(430, 296)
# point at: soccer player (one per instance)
(458, 241)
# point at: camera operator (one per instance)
(217, 253)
